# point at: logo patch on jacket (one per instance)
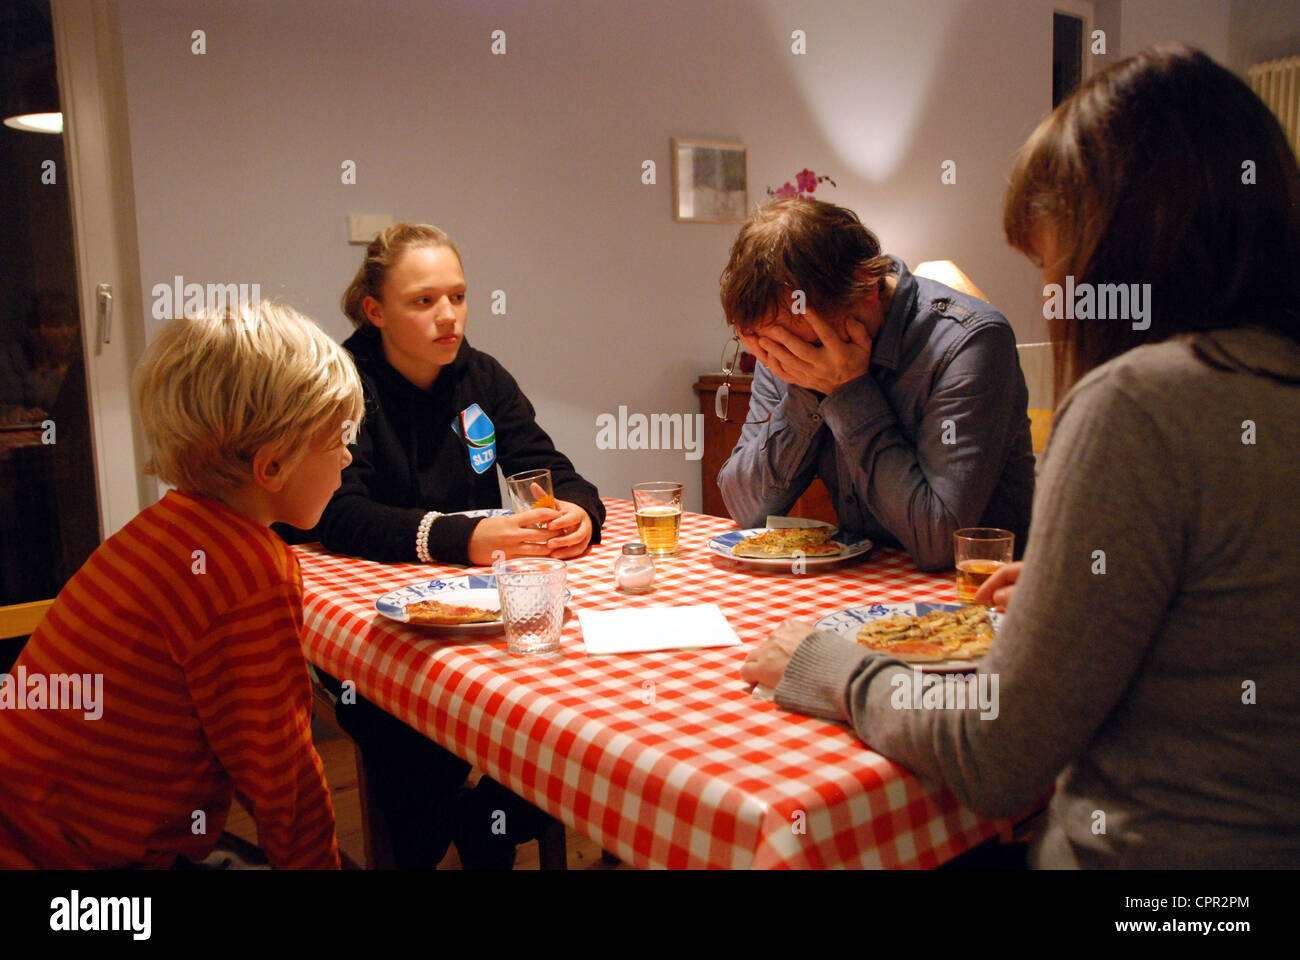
(473, 426)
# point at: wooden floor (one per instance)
(338, 755)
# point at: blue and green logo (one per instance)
(473, 426)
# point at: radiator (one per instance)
(1277, 83)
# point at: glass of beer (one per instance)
(530, 490)
(658, 515)
(979, 552)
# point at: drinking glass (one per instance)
(979, 552)
(532, 603)
(658, 515)
(530, 490)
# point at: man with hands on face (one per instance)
(905, 396)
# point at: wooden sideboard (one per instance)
(720, 439)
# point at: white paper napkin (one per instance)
(794, 523)
(655, 628)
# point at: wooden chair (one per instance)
(20, 619)
(16, 624)
(1036, 363)
(1040, 427)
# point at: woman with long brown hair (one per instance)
(1147, 661)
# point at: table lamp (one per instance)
(948, 273)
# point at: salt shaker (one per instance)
(634, 571)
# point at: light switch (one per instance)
(362, 227)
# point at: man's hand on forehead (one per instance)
(823, 368)
(799, 322)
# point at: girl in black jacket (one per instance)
(440, 418)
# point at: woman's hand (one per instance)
(574, 527)
(517, 535)
(766, 664)
(997, 589)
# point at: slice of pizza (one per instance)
(775, 544)
(917, 651)
(974, 648)
(893, 629)
(439, 614)
(965, 634)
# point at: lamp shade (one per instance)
(34, 103)
(949, 274)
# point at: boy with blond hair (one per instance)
(191, 617)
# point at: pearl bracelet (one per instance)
(422, 536)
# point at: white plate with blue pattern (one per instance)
(474, 590)
(848, 622)
(491, 512)
(722, 544)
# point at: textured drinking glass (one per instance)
(530, 490)
(658, 515)
(979, 551)
(532, 603)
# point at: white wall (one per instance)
(1201, 23)
(532, 160)
(1262, 30)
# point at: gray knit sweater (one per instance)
(1149, 661)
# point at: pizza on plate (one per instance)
(437, 613)
(774, 544)
(964, 634)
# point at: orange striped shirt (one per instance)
(192, 615)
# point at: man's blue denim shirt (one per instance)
(932, 438)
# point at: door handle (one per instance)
(104, 299)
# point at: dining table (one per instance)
(666, 759)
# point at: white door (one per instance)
(88, 49)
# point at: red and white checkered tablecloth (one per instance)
(665, 759)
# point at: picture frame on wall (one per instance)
(710, 181)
